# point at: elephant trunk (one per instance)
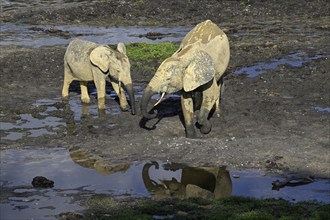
(152, 186)
(148, 92)
(130, 92)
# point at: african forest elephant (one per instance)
(87, 61)
(196, 68)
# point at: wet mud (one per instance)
(274, 115)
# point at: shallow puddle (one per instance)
(46, 35)
(52, 114)
(321, 109)
(29, 126)
(48, 119)
(293, 60)
(9, 5)
(78, 175)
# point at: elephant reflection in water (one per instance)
(202, 182)
(84, 112)
(104, 167)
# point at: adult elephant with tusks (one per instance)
(195, 69)
(87, 61)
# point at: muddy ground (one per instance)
(267, 122)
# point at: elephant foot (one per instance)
(86, 100)
(191, 133)
(101, 103)
(101, 113)
(124, 108)
(206, 127)
(65, 99)
(85, 109)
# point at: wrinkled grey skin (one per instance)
(87, 61)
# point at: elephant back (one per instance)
(207, 37)
(203, 33)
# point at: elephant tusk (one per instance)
(163, 94)
(163, 184)
(119, 85)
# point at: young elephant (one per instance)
(195, 68)
(87, 61)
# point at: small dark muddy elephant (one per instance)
(195, 69)
(87, 61)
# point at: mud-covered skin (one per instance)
(264, 117)
(86, 61)
(196, 66)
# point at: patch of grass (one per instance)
(146, 58)
(148, 52)
(139, 2)
(249, 208)
(229, 208)
(322, 212)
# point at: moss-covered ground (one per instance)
(229, 208)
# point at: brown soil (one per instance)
(267, 122)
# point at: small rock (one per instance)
(40, 181)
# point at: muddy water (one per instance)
(79, 175)
(45, 35)
(320, 109)
(293, 60)
(10, 5)
(50, 121)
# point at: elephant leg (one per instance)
(84, 92)
(188, 114)
(122, 97)
(99, 80)
(198, 100)
(217, 103)
(68, 78)
(85, 109)
(210, 96)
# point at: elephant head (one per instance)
(163, 189)
(185, 71)
(118, 66)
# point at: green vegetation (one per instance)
(145, 57)
(230, 208)
(149, 52)
(139, 2)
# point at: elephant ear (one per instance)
(199, 71)
(121, 48)
(100, 57)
